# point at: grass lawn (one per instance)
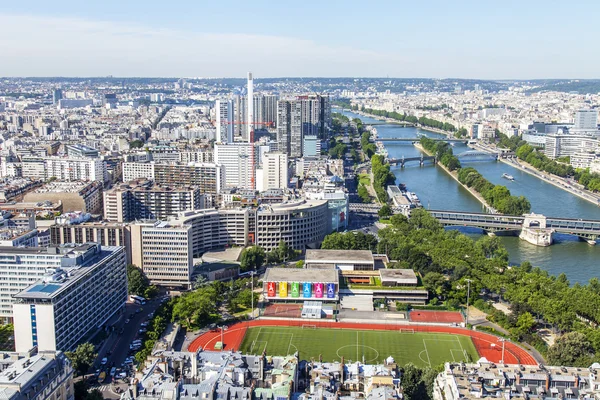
(364, 179)
(421, 349)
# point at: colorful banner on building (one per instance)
(283, 289)
(318, 290)
(306, 290)
(295, 289)
(271, 289)
(331, 290)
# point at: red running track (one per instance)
(436, 316)
(234, 335)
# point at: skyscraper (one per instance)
(56, 96)
(250, 99)
(225, 121)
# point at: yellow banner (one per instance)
(283, 289)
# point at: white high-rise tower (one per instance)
(249, 106)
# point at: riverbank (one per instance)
(454, 176)
(404, 123)
(549, 178)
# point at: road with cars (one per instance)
(117, 351)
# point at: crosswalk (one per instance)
(103, 388)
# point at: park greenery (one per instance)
(252, 258)
(447, 259)
(349, 241)
(423, 121)
(156, 327)
(442, 151)
(497, 196)
(367, 147)
(82, 358)
(539, 161)
(382, 176)
(7, 342)
(138, 284)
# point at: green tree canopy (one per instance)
(83, 357)
(136, 280)
(252, 258)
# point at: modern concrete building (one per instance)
(225, 122)
(64, 168)
(586, 119)
(560, 145)
(80, 295)
(36, 375)
(343, 260)
(275, 171)
(239, 161)
(311, 146)
(145, 200)
(80, 150)
(137, 170)
(209, 178)
(163, 251)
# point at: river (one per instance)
(577, 259)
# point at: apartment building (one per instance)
(164, 252)
(145, 200)
(107, 234)
(275, 171)
(208, 177)
(137, 170)
(57, 311)
(36, 375)
(560, 145)
(64, 168)
(239, 160)
(224, 117)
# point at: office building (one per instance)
(145, 200)
(560, 145)
(586, 119)
(74, 103)
(163, 251)
(36, 375)
(275, 171)
(199, 156)
(225, 122)
(238, 161)
(250, 109)
(80, 150)
(311, 146)
(78, 296)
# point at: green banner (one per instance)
(295, 289)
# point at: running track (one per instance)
(234, 335)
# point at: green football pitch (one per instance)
(405, 345)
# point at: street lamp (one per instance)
(252, 293)
(468, 295)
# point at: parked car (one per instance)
(104, 361)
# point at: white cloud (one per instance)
(41, 46)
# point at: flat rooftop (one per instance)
(338, 256)
(406, 276)
(301, 275)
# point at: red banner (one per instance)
(271, 289)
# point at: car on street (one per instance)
(127, 320)
(104, 361)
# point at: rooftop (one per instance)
(338, 256)
(301, 275)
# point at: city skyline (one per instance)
(279, 40)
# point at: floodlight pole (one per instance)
(252, 293)
(468, 296)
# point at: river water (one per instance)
(438, 191)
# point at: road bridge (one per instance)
(473, 155)
(588, 230)
(417, 139)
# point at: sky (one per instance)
(526, 39)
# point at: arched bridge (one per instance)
(588, 230)
(474, 155)
(401, 161)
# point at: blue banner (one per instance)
(331, 290)
(306, 290)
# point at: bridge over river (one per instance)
(470, 155)
(417, 139)
(588, 230)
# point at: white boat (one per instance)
(507, 176)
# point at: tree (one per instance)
(136, 280)
(196, 308)
(252, 258)
(385, 211)
(83, 357)
(571, 349)
(363, 193)
(413, 386)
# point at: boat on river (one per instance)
(507, 176)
